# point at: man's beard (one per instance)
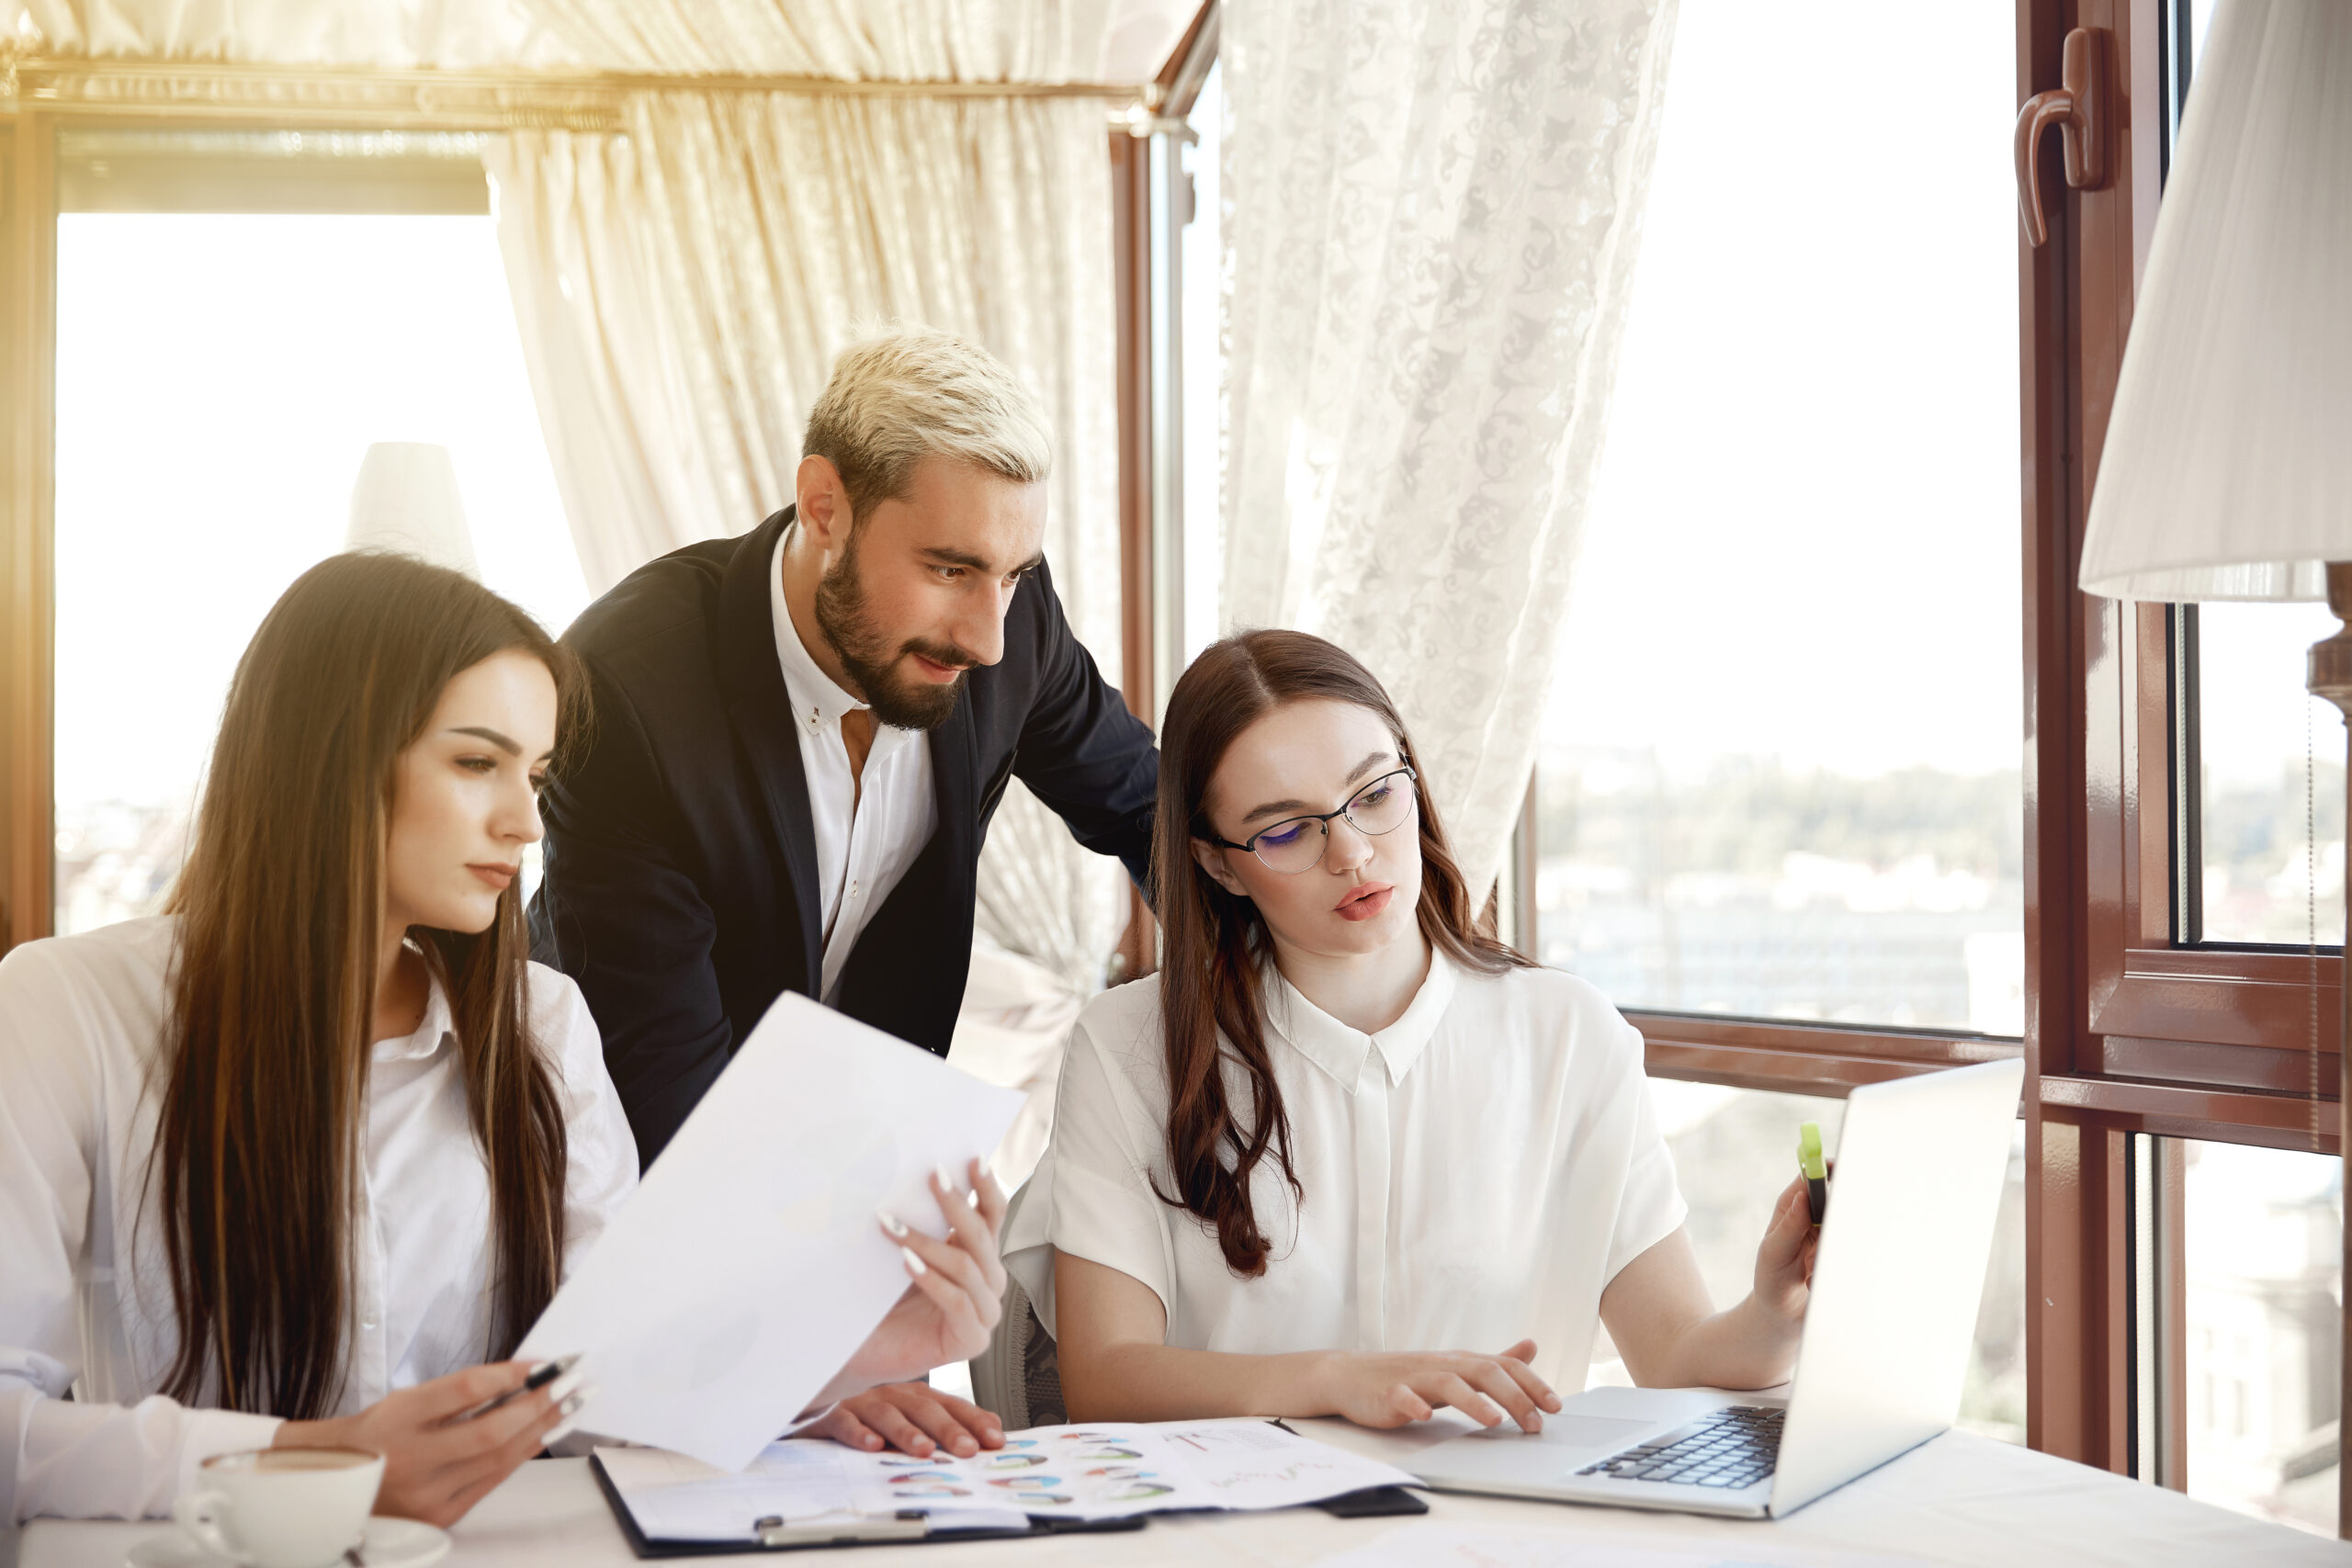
(865, 653)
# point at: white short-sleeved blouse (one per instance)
(85, 1298)
(1474, 1174)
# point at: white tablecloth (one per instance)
(1960, 1500)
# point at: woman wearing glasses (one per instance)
(1346, 1154)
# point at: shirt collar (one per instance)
(817, 699)
(1343, 1051)
(438, 1025)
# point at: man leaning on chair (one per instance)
(800, 737)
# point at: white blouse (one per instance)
(1474, 1174)
(86, 1302)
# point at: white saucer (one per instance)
(389, 1543)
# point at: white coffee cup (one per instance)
(281, 1508)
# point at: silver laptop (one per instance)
(1895, 1286)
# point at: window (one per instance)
(219, 377)
(1780, 772)
(2265, 1269)
(2269, 780)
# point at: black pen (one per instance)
(541, 1375)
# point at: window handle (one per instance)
(2079, 106)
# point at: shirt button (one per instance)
(853, 889)
(368, 1324)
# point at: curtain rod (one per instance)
(426, 98)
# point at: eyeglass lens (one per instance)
(1380, 807)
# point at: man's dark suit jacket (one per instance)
(681, 862)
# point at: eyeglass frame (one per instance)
(1321, 820)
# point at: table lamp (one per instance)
(406, 500)
(2227, 469)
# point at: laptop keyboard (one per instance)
(1730, 1449)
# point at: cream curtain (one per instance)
(682, 290)
(1432, 232)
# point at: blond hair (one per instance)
(911, 392)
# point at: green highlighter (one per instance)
(1817, 1170)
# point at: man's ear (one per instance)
(1212, 860)
(822, 505)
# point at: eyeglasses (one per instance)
(1381, 806)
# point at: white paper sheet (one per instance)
(676, 1498)
(1100, 1471)
(1435, 1545)
(747, 1267)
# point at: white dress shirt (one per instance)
(1476, 1174)
(870, 826)
(85, 1300)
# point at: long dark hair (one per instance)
(1215, 942)
(264, 1075)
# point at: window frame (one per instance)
(2129, 1032)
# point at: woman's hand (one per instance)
(435, 1470)
(956, 1295)
(1784, 1257)
(1375, 1390)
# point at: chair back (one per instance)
(1017, 1378)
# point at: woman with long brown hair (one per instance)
(1343, 1130)
(297, 1163)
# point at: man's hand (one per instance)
(911, 1417)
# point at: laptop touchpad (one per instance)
(1565, 1431)
(1592, 1431)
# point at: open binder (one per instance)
(770, 1533)
(802, 1492)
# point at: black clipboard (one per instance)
(908, 1529)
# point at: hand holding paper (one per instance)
(958, 1291)
(750, 1264)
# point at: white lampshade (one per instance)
(2227, 471)
(406, 500)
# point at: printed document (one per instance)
(1102, 1470)
(748, 1265)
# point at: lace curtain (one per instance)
(682, 290)
(1433, 209)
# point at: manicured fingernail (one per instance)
(891, 1222)
(556, 1434)
(572, 1405)
(947, 1182)
(914, 1265)
(561, 1390)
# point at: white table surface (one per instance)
(1961, 1499)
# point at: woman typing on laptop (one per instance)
(279, 1167)
(1345, 1154)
